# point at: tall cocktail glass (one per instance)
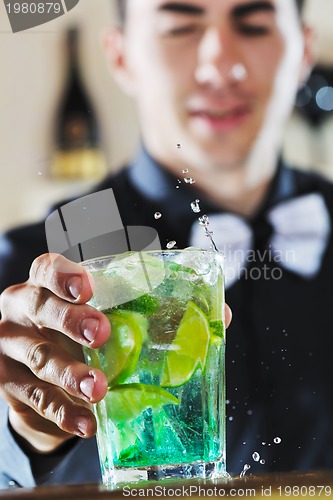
(164, 413)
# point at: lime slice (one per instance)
(127, 402)
(188, 351)
(122, 351)
(145, 304)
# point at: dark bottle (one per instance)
(77, 140)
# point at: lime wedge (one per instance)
(145, 304)
(188, 351)
(127, 402)
(122, 351)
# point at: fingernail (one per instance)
(89, 327)
(87, 386)
(81, 423)
(74, 286)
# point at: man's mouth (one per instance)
(221, 119)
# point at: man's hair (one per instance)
(121, 9)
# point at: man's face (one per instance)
(185, 61)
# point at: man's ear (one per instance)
(116, 58)
(309, 56)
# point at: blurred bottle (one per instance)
(78, 153)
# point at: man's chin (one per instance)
(218, 162)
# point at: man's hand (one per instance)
(43, 376)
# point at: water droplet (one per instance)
(231, 419)
(177, 187)
(227, 401)
(157, 215)
(185, 171)
(84, 208)
(39, 173)
(189, 180)
(249, 412)
(262, 461)
(245, 469)
(244, 442)
(204, 221)
(256, 456)
(263, 443)
(195, 206)
(277, 440)
(171, 244)
(179, 146)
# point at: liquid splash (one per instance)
(204, 221)
(157, 215)
(195, 206)
(189, 180)
(245, 469)
(171, 244)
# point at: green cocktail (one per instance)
(164, 412)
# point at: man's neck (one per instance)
(232, 191)
(239, 188)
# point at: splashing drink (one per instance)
(164, 413)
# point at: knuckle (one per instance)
(38, 356)
(67, 379)
(37, 300)
(44, 401)
(60, 416)
(36, 267)
(37, 396)
(39, 267)
(66, 318)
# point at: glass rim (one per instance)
(166, 251)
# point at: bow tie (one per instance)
(296, 233)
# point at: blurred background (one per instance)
(35, 103)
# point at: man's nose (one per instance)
(219, 61)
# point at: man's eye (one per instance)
(252, 30)
(182, 30)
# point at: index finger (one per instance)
(66, 279)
